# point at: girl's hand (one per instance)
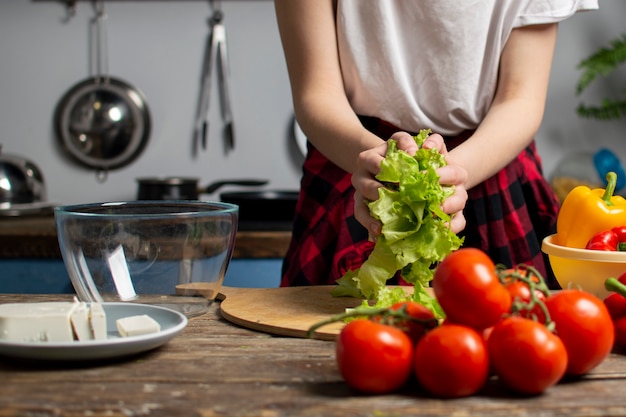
(366, 186)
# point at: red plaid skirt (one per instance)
(507, 217)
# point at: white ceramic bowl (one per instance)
(583, 268)
(172, 253)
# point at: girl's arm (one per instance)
(517, 110)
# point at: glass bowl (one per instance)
(169, 253)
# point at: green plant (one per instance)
(603, 62)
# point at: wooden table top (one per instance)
(214, 368)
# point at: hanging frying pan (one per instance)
(103, 122)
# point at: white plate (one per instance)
(172, 323)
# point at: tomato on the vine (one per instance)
(469, 290)
(584, 324)
(521, 294)
(373, 357)
(451, 361)
(525, 355)
(420, 319)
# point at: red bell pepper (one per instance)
(606, 240)
(615, 302)
(609, 240)
(620, 232)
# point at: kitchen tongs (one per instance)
(216, 52)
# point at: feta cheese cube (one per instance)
(98, 321)
(137, 325)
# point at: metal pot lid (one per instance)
(104, 123)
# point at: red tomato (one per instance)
(468, 289)
(620, 333)
(525, 355)
(424, 319)
(521, 295)
(374, 357)
(451, 361)
(584, 325)
(486, 333)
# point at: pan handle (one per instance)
(214, 186)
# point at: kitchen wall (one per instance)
(158, 46)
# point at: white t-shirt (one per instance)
(432, 63)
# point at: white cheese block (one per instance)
(98, 321)
(37, 322)
(79, 320)
(52, 321)
(137, 325)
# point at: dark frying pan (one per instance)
(266, 208)
(183, 188)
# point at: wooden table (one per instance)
(215, 368)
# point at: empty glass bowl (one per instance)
(170, 253)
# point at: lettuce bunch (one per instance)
(415, 233)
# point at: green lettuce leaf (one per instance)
(415, 235)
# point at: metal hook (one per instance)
(102, 174)
(98, 6)
(71, 9)
(218, 15)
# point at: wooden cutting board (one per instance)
(288, 311)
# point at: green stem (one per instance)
(527, 278)
(613, 285)
(611, 178)
(386, 314)
(356, 312)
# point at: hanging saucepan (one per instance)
(103, 122)
(183, 188)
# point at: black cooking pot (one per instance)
(181, 188)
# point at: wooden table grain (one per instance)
(214, 368)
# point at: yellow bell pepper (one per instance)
(585, 212)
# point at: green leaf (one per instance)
(603, 62)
